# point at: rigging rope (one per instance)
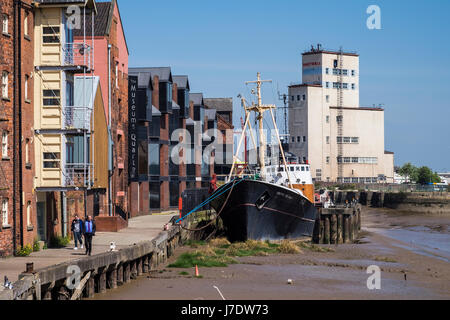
(207, 201)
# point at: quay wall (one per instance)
(419, 202)
(97, 273)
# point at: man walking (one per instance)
(89, 232)
(77, 229)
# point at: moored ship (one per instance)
(276, 202)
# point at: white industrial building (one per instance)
(342, 141)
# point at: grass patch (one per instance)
(195, 243)
(385, 259)
(197, 258)
(312, 247)
(183, 273)
(288, 247)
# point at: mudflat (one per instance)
(412, 251)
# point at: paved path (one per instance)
(144, 228)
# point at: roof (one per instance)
(155, 112)
(197, 98)
(359, 109)
(182, 82)
(100, 21)
(320, 50)
(220, 104)
(164, 73)
(190, 122)
(175, 106)
(88, 3)
(388, 152)
(144, 79)
(298, 85)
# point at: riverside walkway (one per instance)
(140, 229)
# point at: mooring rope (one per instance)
(207, 201)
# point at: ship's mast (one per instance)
(260, 109)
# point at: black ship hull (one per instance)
(263, 211)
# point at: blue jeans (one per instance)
(77, 237)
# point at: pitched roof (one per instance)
(144, 78)
(220, 104)
(163, 73)
(210, 114)
(89, 3)
(175, 106)
(100, 21)
(182, 82)
(197, 98)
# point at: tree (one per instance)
(408, 171)
(425, 176)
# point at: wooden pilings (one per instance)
(338, 225)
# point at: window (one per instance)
(298, 97)
(117, 74)
(5, 144)
(27, 151)
(304, 159)
(299, 139)
(51, 160)
(29, 223)
(328, 140)
(354, 180)
(153, 159)
(328, 159)
(5, 212)
(25, 25)
(336, 72)
(327, 84)
(345, 85)
(339, 118)
(336, 85)
(327, 70)
(26, 86)
(292, 98)
(347, 180)
(50, 35)
(355, 160)
(346, 139)
(327, 119)
(304, 97)
(51, 97)
(353, 86)
(355, 140)
(327, 98)
(293, 139)
(345, 72)
(5, 88)
(353, 73)
(5, 20)
(154, 190)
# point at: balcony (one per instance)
(77, 118)
(78, 175)
(77, 56)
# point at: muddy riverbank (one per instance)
(412, 251)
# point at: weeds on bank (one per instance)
(385, 259)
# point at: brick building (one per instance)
(17, 204)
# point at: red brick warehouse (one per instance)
(17, 201)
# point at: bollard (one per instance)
(120, 275)
(126, 273)
(101, 282)
(346, 229)
(112, 279)
(322, 230)
(340, 228)
(139, 266)
(133, 269)
(89, 289)
(333, 229)
(145, 266)
(327, 230)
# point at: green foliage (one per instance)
(24, 251)
(45, 247)
(425, 176)
(59, 242)
(36, 246)
(192, 259)
(409, 172)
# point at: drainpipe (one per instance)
(110, 156)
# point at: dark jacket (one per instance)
(93, 227)
(72, 228)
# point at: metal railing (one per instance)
(77, 54)
(77, 118)
(78, 175)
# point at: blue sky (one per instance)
(222, 44)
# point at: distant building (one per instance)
(224, 110)
(342, 141)
(445, 177)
